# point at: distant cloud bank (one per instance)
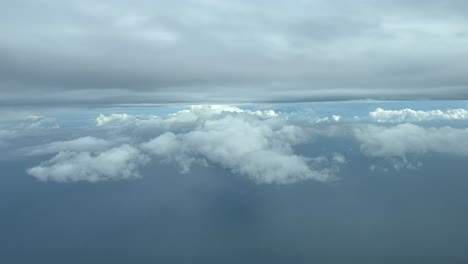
(258, 144)
(408, 115)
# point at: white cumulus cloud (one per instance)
(244, 143)
(255, 144)
(409, 115)
(113, 164)
(102, 120)
(333, 118)
(403, 145)
(403, 139)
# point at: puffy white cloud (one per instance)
(403, 139)
(333, 118)
(409, 115)
(260, 145)
(336, 118)
(403, 145)
(245, 142)
(113, 164)
(102, 120)
(180, 118)
(256, 144)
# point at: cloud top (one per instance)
(404, 139)
(247, 145)
(70, 166)
(408, 115)
(256, 144)
(264, 146)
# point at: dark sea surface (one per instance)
(213, 216)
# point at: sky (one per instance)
(233, 131)
(204, 51)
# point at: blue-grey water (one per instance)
(212, 216)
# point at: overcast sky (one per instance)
(111, 52)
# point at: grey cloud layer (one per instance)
(108, 52)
